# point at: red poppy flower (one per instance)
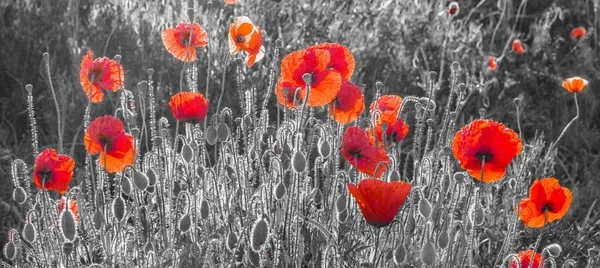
(578, 33)
(101, 73)
(545, 195)
(453, 9)
(525, 258)
(243, 35)
(72, 206)
(176, 40)
(325, 83)
(487, 141)
(517, 46)
(493, 64)
(53, 170)
(109, 131)
(395, 132)
(230, 2)
(379, 201)
(190, 107)
(348, 104)
(387, 103)
(341, 59)
(575, 84)
(358, 150)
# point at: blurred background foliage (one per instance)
(393, 41)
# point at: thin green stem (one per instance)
(567, 126)
(58, 117)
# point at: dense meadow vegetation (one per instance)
(274, 133)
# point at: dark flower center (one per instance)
(240, 39)
(94, 72)
(46, 175)
(484, 156)
(106, 143)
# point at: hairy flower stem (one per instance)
(539, 239)
(566, 127)
(32, 121)
(58, 117)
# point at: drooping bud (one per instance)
(259, 234)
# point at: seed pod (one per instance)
(443, 239)
(424, 208)
(187, 153)
(428, 256)
(118, 208)
(299, 162)
(204, 209)
(317, 196)
(399, 255)
(223, 132)
(211, 135)
(152, 177)
(394, 175)
(342, 216)
(140, 180)
(29, 233)
(98, 220)
(100, 198)
(340, 203)
(411, 223)
(185, 223)
(68, 248)
(324, 149)
(280, 190)
(10, 250)
(68, 226)
(459, 177)
(259, 234)
(232, 241)
(19, 195)
(126, 185)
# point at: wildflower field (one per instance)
(275, 133)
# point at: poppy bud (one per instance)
(190, 14)
(482, 113)
(151, 175)
(478, 215)
(394, 176)
(453, 9)
(29, 88)
(118, 58)
(428, 256)
(19, 195)
(68, 248)
(554, 250)
(232, 241)
(400, 255)
(98, 220)
(148, 247)
(342, 216)
(340, 203)
(211, 135)
(150, 72)
(517, 46)
(299, 162)
(125, 185)
(254, 258)
(459, 177)
(118, 208)
(324, 148)
(68, 226)
(46, 57)
(424, 208)
(185, 223)
(140, 180)
(259, 234)
(280, 190)
(187, 153)
(29, 233)
(204, 209)
(10, 250)
(443, 240)
(223, 132)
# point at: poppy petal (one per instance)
(325, 88)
